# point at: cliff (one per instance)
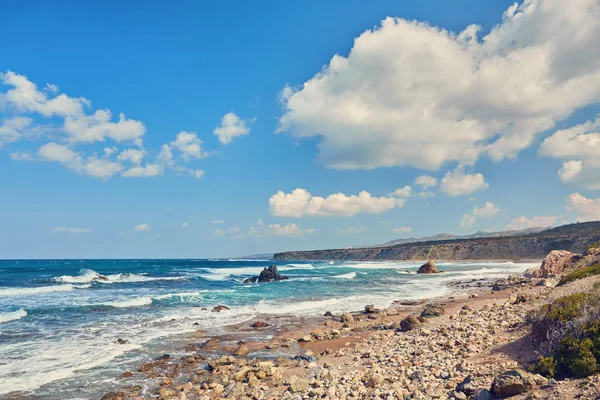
(574, 237)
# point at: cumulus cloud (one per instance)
(146, 171)
(457, 183)
(413, 94)
(72, 229)
(300, 202)
(91, 166)
(485, 211)
(99, 126)
(402, 229)
(231, 127)
(133, 156)
(189, 144)
(351, 230)
(426, 181)
(142, 227)
(289, 230)
(586, 209)
(524, 222)
(11, 129)
(579, 147)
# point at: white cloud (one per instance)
(350, 230)
(409, 93)
(231, 127)
(289, 230)
(146, 171)
(72, 229)
(196, 173)
(579, 146)
(25, 97)
(402, 229)
(425, 195)
(485, 211)
(225, 232)
(426, 181)
(21, 156)
(11, 129)
(92, 166)
(185, 225)
(98, 127)
(586, 209)
(523, 222)
(142, 227)
(406, 191)
(457, 183)
(189, 144)
(133, 156)
(218, 221)
(300, 203)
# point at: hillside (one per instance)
(573, 237)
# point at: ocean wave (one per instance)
(89, 276)
(24, 291)
(12, 316)
(350, 275)
(135, 302)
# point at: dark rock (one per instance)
(409, 323)
(127, 374)
(467, 386)
(482, 394)
(428, 268)
(511, 383)
(220, 308)
(164, 357)
(146, 367)
(432, 310)
(114, 396)
(260, 324)
(211, 344)
(267, 275)
(328, 314)
(370, 308)
(122, 341)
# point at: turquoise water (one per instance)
(59, 322)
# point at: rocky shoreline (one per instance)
(477, 346)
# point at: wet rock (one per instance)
(210, 344)
(269, 274)
(164, 357)
(242, 351)
(370, 308)
(114, 396)
(512, 382)
(260, 324)
(122, 341)
(146, 367)
(428, 268)
(220, 308)
(328, 314)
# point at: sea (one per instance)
(60, 320)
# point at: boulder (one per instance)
(220, 308)
(554, 263)
(370, 308)
(467, 386)
(432, 310)
(299, 385)
(260, 324)
(210, 344)
(269, 274)
(346, 318)
(428, 268)
(482, 394)
(409, 323)
(242, 351)
(114, 396)
(328, 314)
(512, 383)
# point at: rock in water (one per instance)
(428, 268)
(267, 275)
(260, 324)
(511, 383)
(554, 263)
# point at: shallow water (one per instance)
(60, 319)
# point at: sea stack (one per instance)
(267, 275)
(428, 268)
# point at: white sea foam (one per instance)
(12, 316)
(89, 276)
(135, 302)
(350, 275)
(221, 274)
(25, 291)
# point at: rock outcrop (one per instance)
(554, 263)
(428, 268)
(513, 382)
(269, 274)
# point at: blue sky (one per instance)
(240, 121)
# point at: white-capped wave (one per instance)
(349, 275)
(12, 316)
(89, 276)
(135, 302)
(25, 291)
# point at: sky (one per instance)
(218, 129)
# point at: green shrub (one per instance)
(566, 308)
(592, 332)
(574, 358)
(580, 274)
(545, 366)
